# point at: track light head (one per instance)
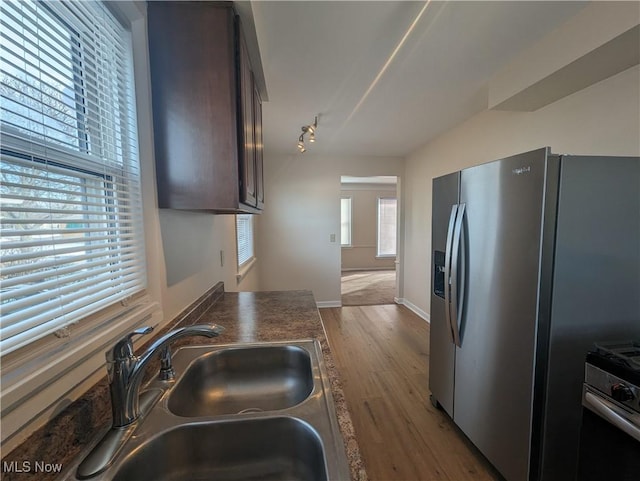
(311, 130)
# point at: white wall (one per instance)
(302, 211)
(190, 251)
(602, 119)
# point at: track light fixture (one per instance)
(308, 129)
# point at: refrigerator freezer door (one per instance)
(441, 347)
(495, 363)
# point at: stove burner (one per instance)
(621, 359)
(627, 353)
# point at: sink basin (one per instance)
(273, 448)
(191, 429)
(242, 380)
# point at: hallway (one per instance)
(382, 353)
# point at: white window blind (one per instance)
(387, 211)
(71, 213)
(244, 235)
(345, 221)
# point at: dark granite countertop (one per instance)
(246, 317)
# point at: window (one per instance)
(71, 214)
(244, 237)
(345, 221)
(387, 210)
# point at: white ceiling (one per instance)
(386, 77)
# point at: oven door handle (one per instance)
(612, 413)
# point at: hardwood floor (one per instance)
(382, 353)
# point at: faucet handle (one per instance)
(123, 349)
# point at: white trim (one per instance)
(412, 307)
(321, 304)
(244, 269)
(376, 268)
(369, 179)
(368, 187)
(136, 12)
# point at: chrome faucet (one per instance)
(126, 370)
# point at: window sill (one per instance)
(244, 269)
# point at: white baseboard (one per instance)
(321, 304)
(412, 307)
(356, 269)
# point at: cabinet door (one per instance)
(194, 91)
(257, 122)
(246, 127)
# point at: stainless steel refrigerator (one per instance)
(534, 258)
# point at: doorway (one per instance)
(369, 239)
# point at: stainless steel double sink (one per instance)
(236, 412)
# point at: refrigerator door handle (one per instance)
(457, 266)
(447, 269)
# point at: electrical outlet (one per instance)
(332, 237)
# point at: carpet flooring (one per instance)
(367, 288)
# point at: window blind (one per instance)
(70, 201)
(244, 234)
(345, 221)
(387, 209)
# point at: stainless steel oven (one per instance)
(610, 433)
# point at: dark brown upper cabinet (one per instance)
(207, 115)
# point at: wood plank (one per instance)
(382, 353)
